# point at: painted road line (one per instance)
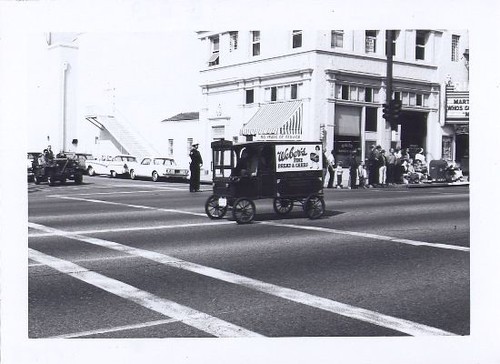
(131, 205)
(186, 315)
(88, 260)
(292, 226)
(370, 236)
(133, 228)
(112, 193)
(372, 317)
(112, 329)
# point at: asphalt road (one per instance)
(117, 258)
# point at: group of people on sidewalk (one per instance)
(380, 169)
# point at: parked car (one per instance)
(118, 165)
(97, 166)
(29, 163)
(61, 168)
(158, 167)
(81, 158)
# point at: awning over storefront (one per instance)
(279, 119)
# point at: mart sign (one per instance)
(457, 106)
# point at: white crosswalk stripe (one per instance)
(372, 317)
(186, 315)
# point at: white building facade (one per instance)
(331, 85)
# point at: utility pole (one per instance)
(389, 51)
(392, 108)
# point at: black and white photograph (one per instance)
(205, 183)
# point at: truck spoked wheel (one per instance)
(282, 206)
(314, 207)
(213, 209)
(243, 210)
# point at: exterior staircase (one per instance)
(122, 135)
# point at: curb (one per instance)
(437, 184)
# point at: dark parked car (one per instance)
(59, 169)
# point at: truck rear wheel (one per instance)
(314, 206)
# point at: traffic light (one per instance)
(395, 109)
(395, 112)
(386, 112)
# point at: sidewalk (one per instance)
(412, 185)
(206, 179)
(436, 184)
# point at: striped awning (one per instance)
(277, 118)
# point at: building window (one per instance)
(345, 92)
(233, 41)
(293, 92)
(286, 92)
(255, 43)
(455, 39)
(420, 42)
(214, 57)
(274, 93)
(170, 147)
(353, 93)
(397, 96)
(356, 93)
(370, 41)
(337, 39)
(281, 93)
(249, 96)
(297, 39)
(413, 99)
(346, 133)
(368, 94)
(371, 119)
(395, 34)
(420, 100)
(447, 149)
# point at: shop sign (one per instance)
(278, 137)
(298, 157)
(457, 106)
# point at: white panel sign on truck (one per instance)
(298, 157)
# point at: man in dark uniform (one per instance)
(194, 167)
(353, 169)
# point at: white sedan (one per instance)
(158, 167)
(120, 164)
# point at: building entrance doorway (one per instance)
(462, 152)
(413, 129)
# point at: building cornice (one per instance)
(339, 72)
(258, 59)
(258, 79)
(398, 81)
(340, 53)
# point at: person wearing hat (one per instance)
(194, 167)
